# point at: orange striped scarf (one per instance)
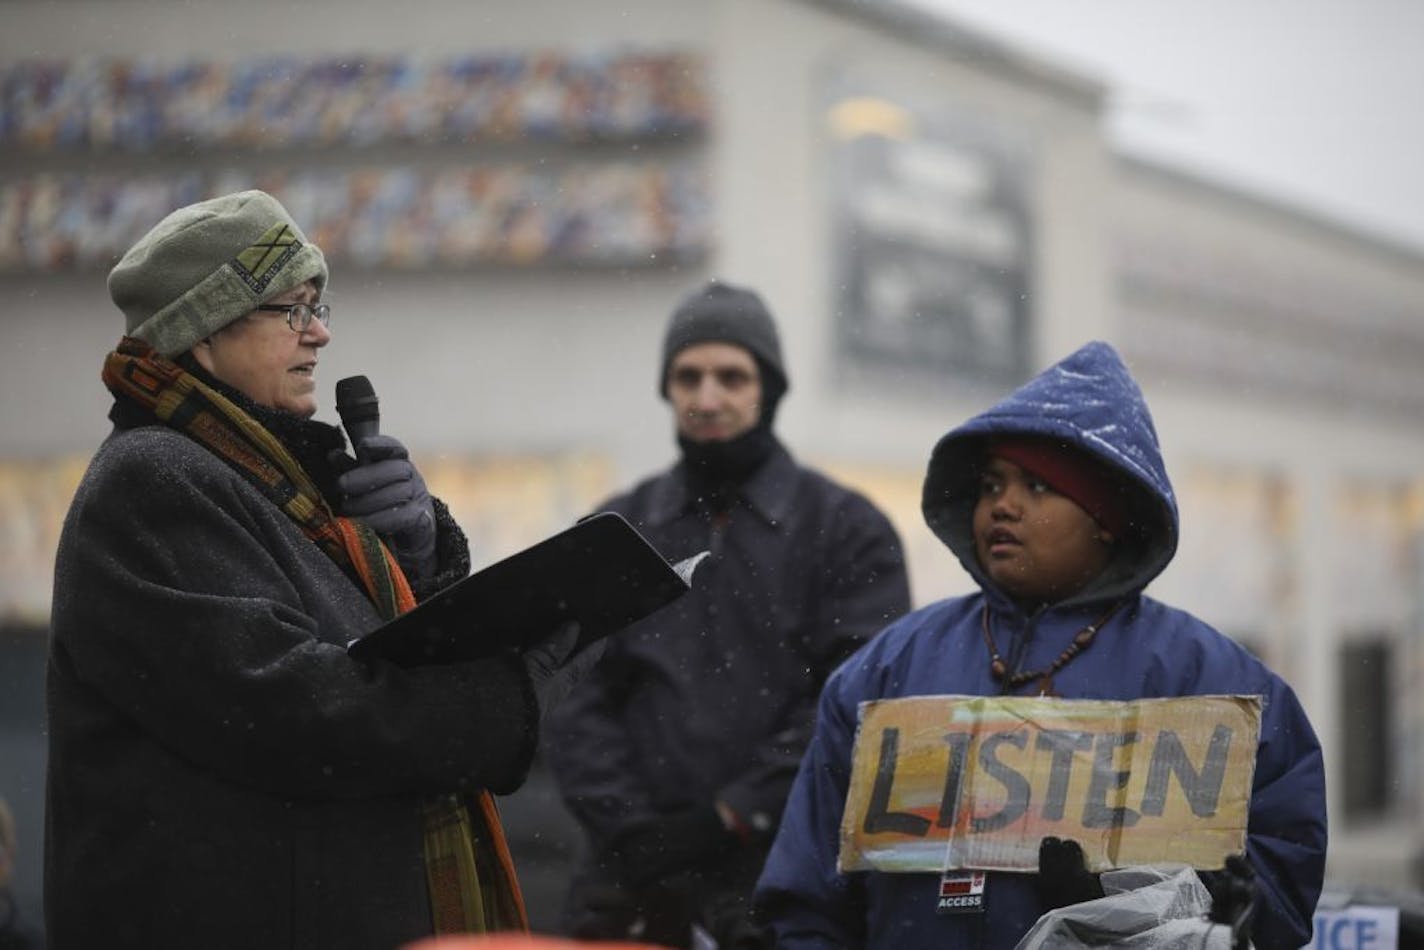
(469, 870)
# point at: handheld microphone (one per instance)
(358, 408)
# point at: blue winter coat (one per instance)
(1146, 650)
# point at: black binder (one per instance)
(600, 572)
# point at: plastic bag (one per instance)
(1160, 908)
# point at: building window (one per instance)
(931, 234)
(1366, 736)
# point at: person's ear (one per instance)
(203, 352)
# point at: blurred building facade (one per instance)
(513, 197)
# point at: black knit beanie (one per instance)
(722, 313)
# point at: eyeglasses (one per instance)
(299, 315)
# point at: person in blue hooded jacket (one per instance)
(1057, 503)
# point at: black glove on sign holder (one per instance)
(601, 573)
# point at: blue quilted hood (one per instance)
(1090, 401)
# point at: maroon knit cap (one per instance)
(1089, 484)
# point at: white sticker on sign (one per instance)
(1357, 928)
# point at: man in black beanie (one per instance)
(677, 754)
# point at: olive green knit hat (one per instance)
(205, 265)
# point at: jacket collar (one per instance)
(770, 491)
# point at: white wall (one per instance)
(480, 362)
(774, 64)
(1307, 321)
(493, 362)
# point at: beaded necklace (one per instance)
(1080, 642)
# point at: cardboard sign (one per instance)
(975, 781)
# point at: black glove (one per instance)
(555, 669)
(650, 851)
(1063, 875)
(385, 492)
(729, 919)
(1233, 894)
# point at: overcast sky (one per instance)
(1313, 102)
